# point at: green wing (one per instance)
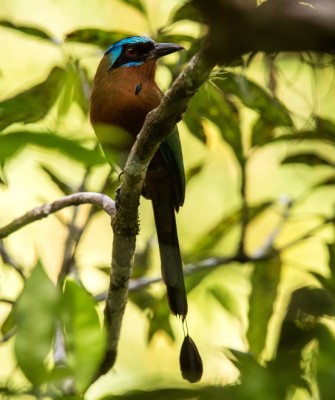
(173, 156)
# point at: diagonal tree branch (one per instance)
(237, 27)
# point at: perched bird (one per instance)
(124, 91)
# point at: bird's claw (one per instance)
(118, 196)
(120, 176)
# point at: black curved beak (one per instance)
(163, 49)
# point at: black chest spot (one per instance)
(138, 89)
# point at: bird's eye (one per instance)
(130, 52)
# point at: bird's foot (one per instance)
(119, 178)
(118, 196)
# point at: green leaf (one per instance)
(204, 247)
(62, 186)
(301, 323)
(325, 129)
(211, 103)
(328, 284)
(84, 338)
(194, 170)
(262, 132)
(35, 314)
(28, 30)
(265, 280)
(193, 119)
(307, 158)
(66, 95)
(16, 141)
(137, 4)
(272, 112)
(160, 320)
(76, 88)
(226, 118)
(245, 362)
(82, 88)
(255, 97)
(9, 323)
(331, 260)
(226, 299)
(325, 372)
(257, 382)
(33, 104)
(325, 282)
(97, 37)
(187, 12)
(329, 181)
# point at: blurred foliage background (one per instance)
(256, 231)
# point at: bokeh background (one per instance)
(291, 197)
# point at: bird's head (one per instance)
(137, 50)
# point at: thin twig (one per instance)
(7, 259)
(43, 211)
(190, 269)
(8, 301)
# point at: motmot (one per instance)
(124, 91)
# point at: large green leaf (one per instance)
(76, 88)
(265, 280)
(257, 382)
(193, 116)
(272, 112)
(82, 87)
(35, 315)
(187, 12)
(226, 299)
(32, 104)
(211, 103)
(28, 30)
(255, 97)
(16, 141)
(225, 116)
(85, 340)
(204, 247)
